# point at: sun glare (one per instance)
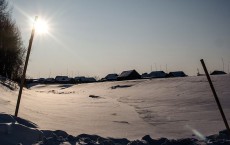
(41, 26)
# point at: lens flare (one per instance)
(196, 132)
(41, 26)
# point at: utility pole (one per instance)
(215, 96)
(25, 68)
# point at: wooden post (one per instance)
(216, 97)
(25, 68)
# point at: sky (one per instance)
(97, 37)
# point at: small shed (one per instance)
(41, 80)
(145, 76)
(177, 74)
(157, 74)
(90, 80)
(79, 79)
(28, 81)
(111, 77)
(62, 79)
(82, 79)
(217, 72)
(50, 81)
(129, 75)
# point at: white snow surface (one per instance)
(172, 107)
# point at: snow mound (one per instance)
(15, 130)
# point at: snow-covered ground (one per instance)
(172, 108)
(18, 131)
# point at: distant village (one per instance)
(125, 75)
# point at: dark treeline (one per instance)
(11, 47)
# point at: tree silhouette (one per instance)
(11, 47)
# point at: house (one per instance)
(50, 81)
(29, 81)
(41, 80)
(157, 74)
(216, 72)
(90, 80)
(62, 79)
(82, 79)
(177, 74)
(145, 76)
(111, 77)
(79, 79)
(129, 75)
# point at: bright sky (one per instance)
(97, 37)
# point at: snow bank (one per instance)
(14, 130)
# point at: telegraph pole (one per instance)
(215, 96)
(25, 68)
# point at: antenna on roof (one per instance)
(223, 63)
(151, 68)
(155, 67)
(166, 68)
(50, 73)
(228, 66)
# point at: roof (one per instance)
(80, 77)
(111, 76)
(85, 79)
(217, 72)
(126, 73)
(178, 73)
(90, 79)
(62, 78)
(157, 74)
(41, 79)
(49, 79)
(145, 75)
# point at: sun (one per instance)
(41, 26)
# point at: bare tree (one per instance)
(11, 47)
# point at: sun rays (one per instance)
(41, 26)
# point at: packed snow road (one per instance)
(173, 107)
